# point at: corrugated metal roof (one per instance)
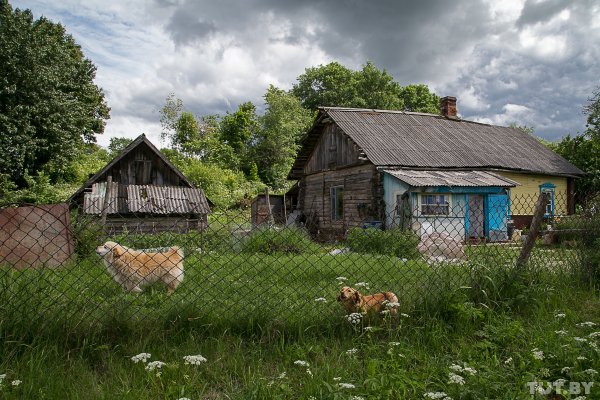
(418, 178)
(416, 140)
(148, 199)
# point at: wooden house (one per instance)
(360, 167)
(141, 191)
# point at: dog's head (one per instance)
(348, 294)
(110, 248)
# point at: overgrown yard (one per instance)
(266, 325)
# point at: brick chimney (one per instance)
(448, 106)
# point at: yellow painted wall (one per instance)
(523, 197)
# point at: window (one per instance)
(435, 204)
(337, 203)
(548, 188)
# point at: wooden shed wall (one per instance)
(362, 199)
(334, 150)
(143, 167)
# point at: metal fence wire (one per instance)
(59, 261)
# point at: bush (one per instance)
(392, 242)
(290, 240)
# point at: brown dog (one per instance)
(135, 268)
(354, 302)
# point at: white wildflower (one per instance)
(565, 370)
(184, 398)
(312, 398)
(579, 339)
(470, 371)
(143, 357)
(337, 379)
(394, 344)
(587, 324)
(436, 396)
(151, 366)
(508, 360)
(194, 360)
(352, 351)
(562, 332)
(369, 328)
(158, 374)
(309, 372)
(560, 382)
(456, 368)
(582, 358)
(16, 382)
(594, 346)
(362, 284)
(544, 372)
(343, 385)
(393, 304)
(354, 318)
(282, 375)
(341, 278)
(321, 300)
(560, 315)
(404, 315)
(357, 398)
(385, 312)
(594, 335)
(590, 371)
(454, 378)
(537, 354)
(2, 376)
(580, 398)
(302, 363)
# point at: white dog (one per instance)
(135, 268)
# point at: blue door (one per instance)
(497, 217)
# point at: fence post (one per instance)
(536, 222)
(105, 205)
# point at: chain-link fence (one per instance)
(276, 265)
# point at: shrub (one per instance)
(392, 242)
(289, 240)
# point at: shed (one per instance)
(140, 190)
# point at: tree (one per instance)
(117, 144)
(283, 124)
(335, 85)
(49, 104)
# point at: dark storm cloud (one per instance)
(537, 68)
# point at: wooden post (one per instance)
(536, 222)
(270, 213)
(106, 204)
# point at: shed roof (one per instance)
(420, 178)
(418, 140)
(142, 139)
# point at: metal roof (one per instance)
(146, 199)
(417, 140)
(418, 178)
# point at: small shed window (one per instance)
(548, 188)
(435, 204)
(337, 203)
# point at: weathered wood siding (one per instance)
(361, 199)
(142, 167)
(334, 150)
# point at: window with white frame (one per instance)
(435, 204)
(337, 203)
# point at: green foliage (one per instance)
(284, 123)
(223, 187)
(289, 240)
(335, 85)
(49, 104)
(117, 145)
(391, 242)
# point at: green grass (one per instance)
(71, 332)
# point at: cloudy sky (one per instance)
(533, 62)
